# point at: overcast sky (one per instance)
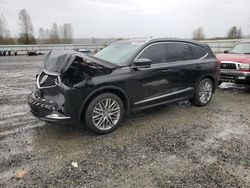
(133, 18)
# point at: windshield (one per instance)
(119, 52)
(243, 48)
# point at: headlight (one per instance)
(244, 66)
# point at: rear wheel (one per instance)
(104, 113)
(203, 93)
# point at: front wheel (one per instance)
(203, 93)
(104, 113)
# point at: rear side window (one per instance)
(155, 53)
(177, 52)
(198, 52)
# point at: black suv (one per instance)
(124, 77)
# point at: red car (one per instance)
(235, 64)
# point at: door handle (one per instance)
(198, 66)
(165, 70)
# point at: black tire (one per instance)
(89, 122)
(196, 100)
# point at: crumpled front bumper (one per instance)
(46, 110)
(234, 76)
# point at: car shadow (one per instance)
(58, 132)
(77, 131)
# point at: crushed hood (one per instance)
(60, 60)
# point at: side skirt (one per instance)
(162, 103)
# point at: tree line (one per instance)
(233, 33)
(64, 33)
(54, 35)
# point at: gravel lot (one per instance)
(177, 145)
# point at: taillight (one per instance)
(218, 61)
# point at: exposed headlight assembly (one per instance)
(244, 66)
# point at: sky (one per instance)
(132, 18)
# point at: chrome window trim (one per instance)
(174, 43)
(165, 95)
(202, 57)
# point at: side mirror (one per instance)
(142, 63)
(226, 52)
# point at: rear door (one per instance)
(201, 65)
(189, 62)
(179, 61)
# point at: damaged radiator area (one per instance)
(82, 69)
(72, 68)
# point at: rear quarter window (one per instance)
(177, 52)
(197, 51)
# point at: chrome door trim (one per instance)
(165, 95)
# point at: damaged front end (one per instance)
(47, 101)
(63, 84)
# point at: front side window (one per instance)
(155, 53)
(243, 48)
(177, 52)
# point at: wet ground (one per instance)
(177, 145)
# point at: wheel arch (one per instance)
(105, 89)
(209, 76)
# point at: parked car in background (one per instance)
(124, 77)
(235, 64)
(32, 53)
(84, 50)
(3, 52)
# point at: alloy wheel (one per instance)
(106, 114)
(205, 92)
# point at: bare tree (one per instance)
(239, 33)
(41, 35)
(2, 28)
(198, 34)
(46, 34)
(234, 33)
(54, 37)
(67, 33)
(26, 34)
(4, 32)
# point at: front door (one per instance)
(152, 85)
